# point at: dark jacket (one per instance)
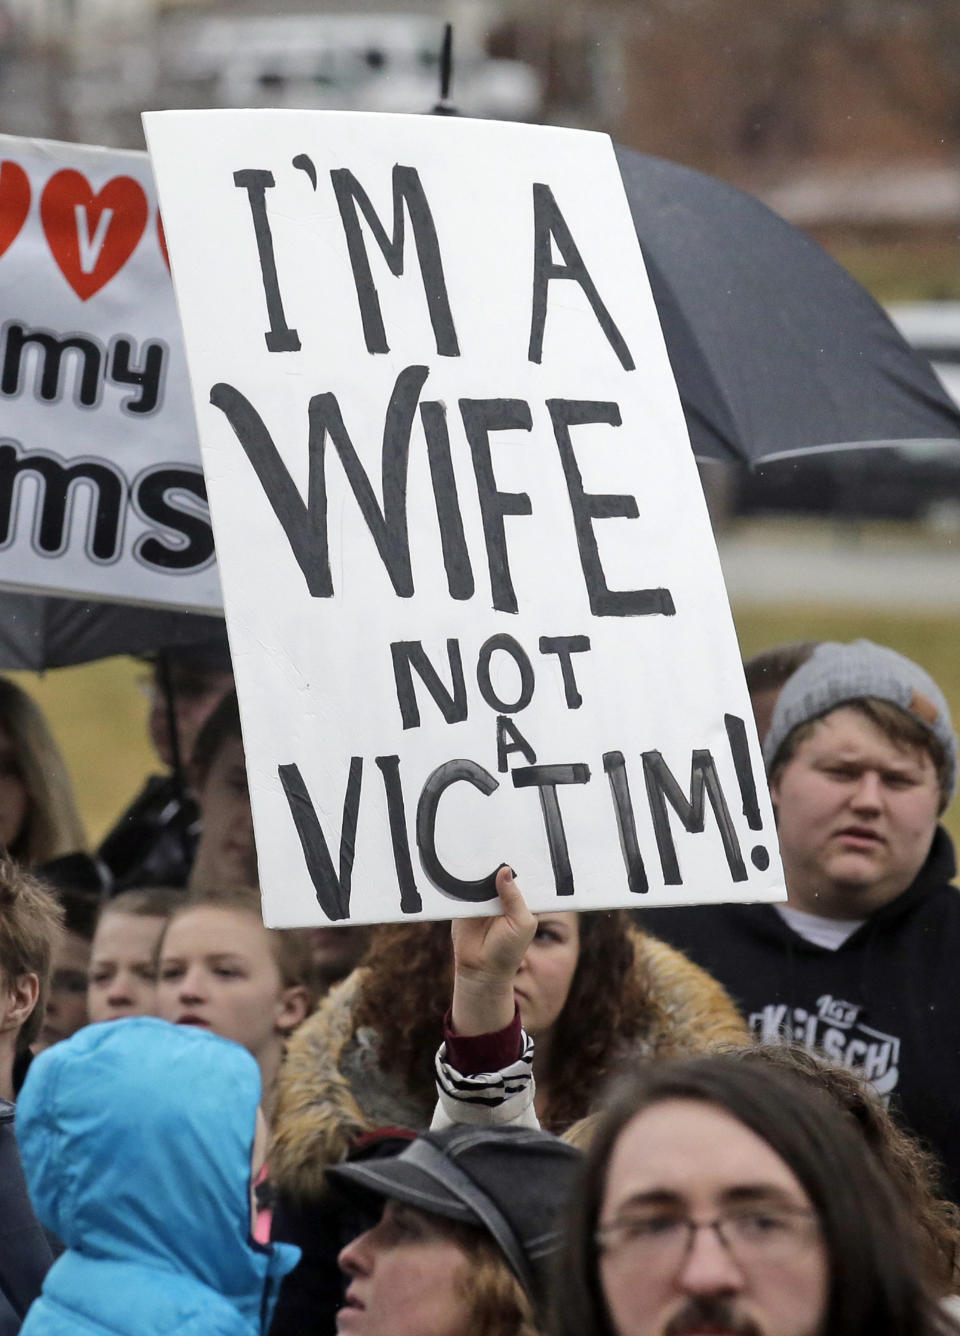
(311, 1295)
(25, 1255)
(153, 843)
(887, 1001)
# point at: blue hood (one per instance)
(136, 1138)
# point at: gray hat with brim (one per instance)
(512, 1183)
(837, 674)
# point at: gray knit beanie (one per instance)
(836, 673)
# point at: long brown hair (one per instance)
(52, 825)
(912, 1169)
(498, 1303)
(876, 1280)
(408, 980)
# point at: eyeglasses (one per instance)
(752, 1238)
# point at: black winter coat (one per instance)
(153, 843)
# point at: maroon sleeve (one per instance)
(472, 1054)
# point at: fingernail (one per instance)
(509, 869)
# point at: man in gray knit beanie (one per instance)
(862, 961)
(862, 758)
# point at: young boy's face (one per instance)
(123, 973)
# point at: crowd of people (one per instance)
(730, 1118)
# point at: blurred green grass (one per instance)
(99, 715)
(897, 271)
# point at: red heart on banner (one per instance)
(91, 236)
(14, 202)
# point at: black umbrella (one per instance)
(39, 631)
(776, 350)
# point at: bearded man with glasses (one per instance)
(726, 1198)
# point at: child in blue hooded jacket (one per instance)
(137, 1139)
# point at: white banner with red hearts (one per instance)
(101, 489)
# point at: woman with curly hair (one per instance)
(590, 988)
(582, 991)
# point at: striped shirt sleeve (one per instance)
(495, 1098)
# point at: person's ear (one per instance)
(774, 785)
(19, 1001)
(292, 1008)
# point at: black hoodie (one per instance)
(887, 1001)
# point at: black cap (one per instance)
(513, 1183)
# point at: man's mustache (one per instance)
(711, 1312)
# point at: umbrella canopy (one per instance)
(776, 350)
(39, 631)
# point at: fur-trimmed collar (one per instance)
(330, 1089)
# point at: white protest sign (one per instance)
(101, 489)
(472, 594)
